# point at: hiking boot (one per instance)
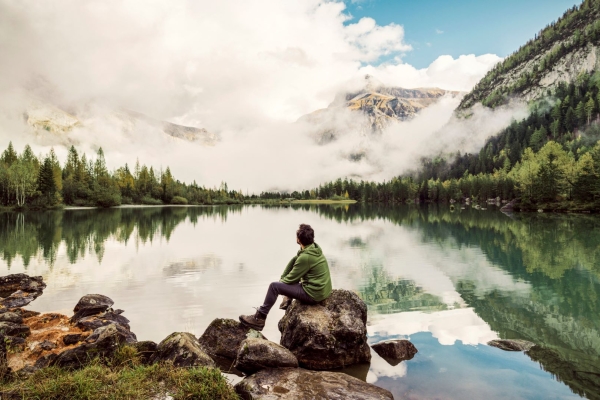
(285, 303)
(256, 321)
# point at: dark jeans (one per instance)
(294, 291)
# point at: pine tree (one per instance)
(45, 181)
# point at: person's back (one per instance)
(305, 278)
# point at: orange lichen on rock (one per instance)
(47, 333)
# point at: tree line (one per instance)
(27, 180)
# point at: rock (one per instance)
(511, 344)
(18, 299)
(101, 332)
(47, 345)
(11, 317)
(223, 337)
(106, 318)
(509, 206)
(394, 351)
(44, 361)
(73, 338)
(4, 368)
(183, 350)
(301, 384)
(256, 354)
(101, 343)
(331, 334)
(15, 343)
(12, 329)
(10, 284)
(146, 350)
(91, 304)
(25, 313)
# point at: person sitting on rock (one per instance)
(306, 278)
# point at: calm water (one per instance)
(448, 280)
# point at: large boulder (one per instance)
(104, 318)
(101, 343)
(394, 351)
(146, 350)
(511, 344)
(330, 334)
(223, 337)
(301, 384)
(183, 350)
(257, 354)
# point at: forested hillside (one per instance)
(557, 54)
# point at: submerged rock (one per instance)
(223, 337)
(257, 354)
(394, 351)
(301, 384)
(511, 344)
(331, 334)
(183, 350)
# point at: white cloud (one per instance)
(243, 70)
(439, 31)
(445, 72)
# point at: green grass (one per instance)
(121, 378)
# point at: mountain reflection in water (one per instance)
(449, 280)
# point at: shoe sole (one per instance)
(255, 327)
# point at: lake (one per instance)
(448, 280)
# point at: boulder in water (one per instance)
(330, 334)
(223, 337)
(257, 354)
(394, 351)
(183, 350)
(301, 384)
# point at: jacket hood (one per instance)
(312, 250)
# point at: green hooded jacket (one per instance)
(309, 267)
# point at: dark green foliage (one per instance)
(46, 183)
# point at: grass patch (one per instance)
(120, 378)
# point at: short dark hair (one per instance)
(305, 234)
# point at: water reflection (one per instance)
(450, 281)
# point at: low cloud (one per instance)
(245, 71)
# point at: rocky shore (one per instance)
(314, 340)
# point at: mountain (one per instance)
(559, 53)
(46, 118)
(372, 108)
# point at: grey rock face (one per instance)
(105, 318)
(301, 384)
(394, 351)
(331, 334)
(257, 354)
(183, 350)
(223, 337)
(511, 344)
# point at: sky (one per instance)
(457, 27)
(247, 71)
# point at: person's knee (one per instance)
(274, 287)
